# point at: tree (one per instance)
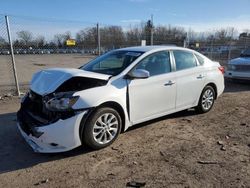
(60, 39)
(25, 37)
(87, 38)
(169, 35)
(134, 35)
(3, 42)
(244, 35)
(67, 35)
(112, 37)
(40, 41)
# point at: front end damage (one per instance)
(46, 119)
(49, 131)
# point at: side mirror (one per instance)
(139, 74)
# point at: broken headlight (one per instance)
(61, 102)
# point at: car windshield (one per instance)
(246, 53)
(112, 63)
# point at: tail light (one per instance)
(222, 69)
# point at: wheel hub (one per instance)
(105, 128)
(207, 99)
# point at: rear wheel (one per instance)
(206, 100)
(102, 128)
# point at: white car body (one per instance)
(138, 100)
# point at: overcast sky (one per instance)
(200, 15)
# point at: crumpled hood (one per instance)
(47, 81)
(240, 60)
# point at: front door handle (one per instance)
(169, 83)
(200, 76)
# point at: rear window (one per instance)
(200, 59)
(184, 60)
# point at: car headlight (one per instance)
(61, 102)
(231, 67)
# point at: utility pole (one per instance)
(152, 31)
(98, 39)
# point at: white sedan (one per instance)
(239, 68)
(66, 108)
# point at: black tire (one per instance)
(88, 137)
(202, 108)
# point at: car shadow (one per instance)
(236, 85)
(16, 154)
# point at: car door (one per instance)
(189, 79)
(153, 96)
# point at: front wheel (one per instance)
(206, 100)
(102, 128)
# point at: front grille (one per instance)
(34, 104)
(27, 122)
(242, 68)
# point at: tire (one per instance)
(102, 128)
(206, 100)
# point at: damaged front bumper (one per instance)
(60, 136)
(49, 132)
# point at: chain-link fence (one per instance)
(7, 80)
(222, 51)
(44, 43)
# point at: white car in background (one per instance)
(239, 68)
(66, 108)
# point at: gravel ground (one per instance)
(180, 150)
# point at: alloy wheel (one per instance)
(105, 128)
(207, 99)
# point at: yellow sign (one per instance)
(197, 45)
(70, 42)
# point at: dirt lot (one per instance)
(180, 150)
(27, 65)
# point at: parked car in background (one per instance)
(4, 52)
(239, 68)
(66, 108)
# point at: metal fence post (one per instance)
(152, 32)
(229, 52)
(211, 47)
(12, 55)
(98, 39)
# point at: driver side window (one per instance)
(156, 64)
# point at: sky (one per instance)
(200, 15)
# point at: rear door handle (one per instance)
(169, 83)
(200, 76)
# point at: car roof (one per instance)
(149, 48)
